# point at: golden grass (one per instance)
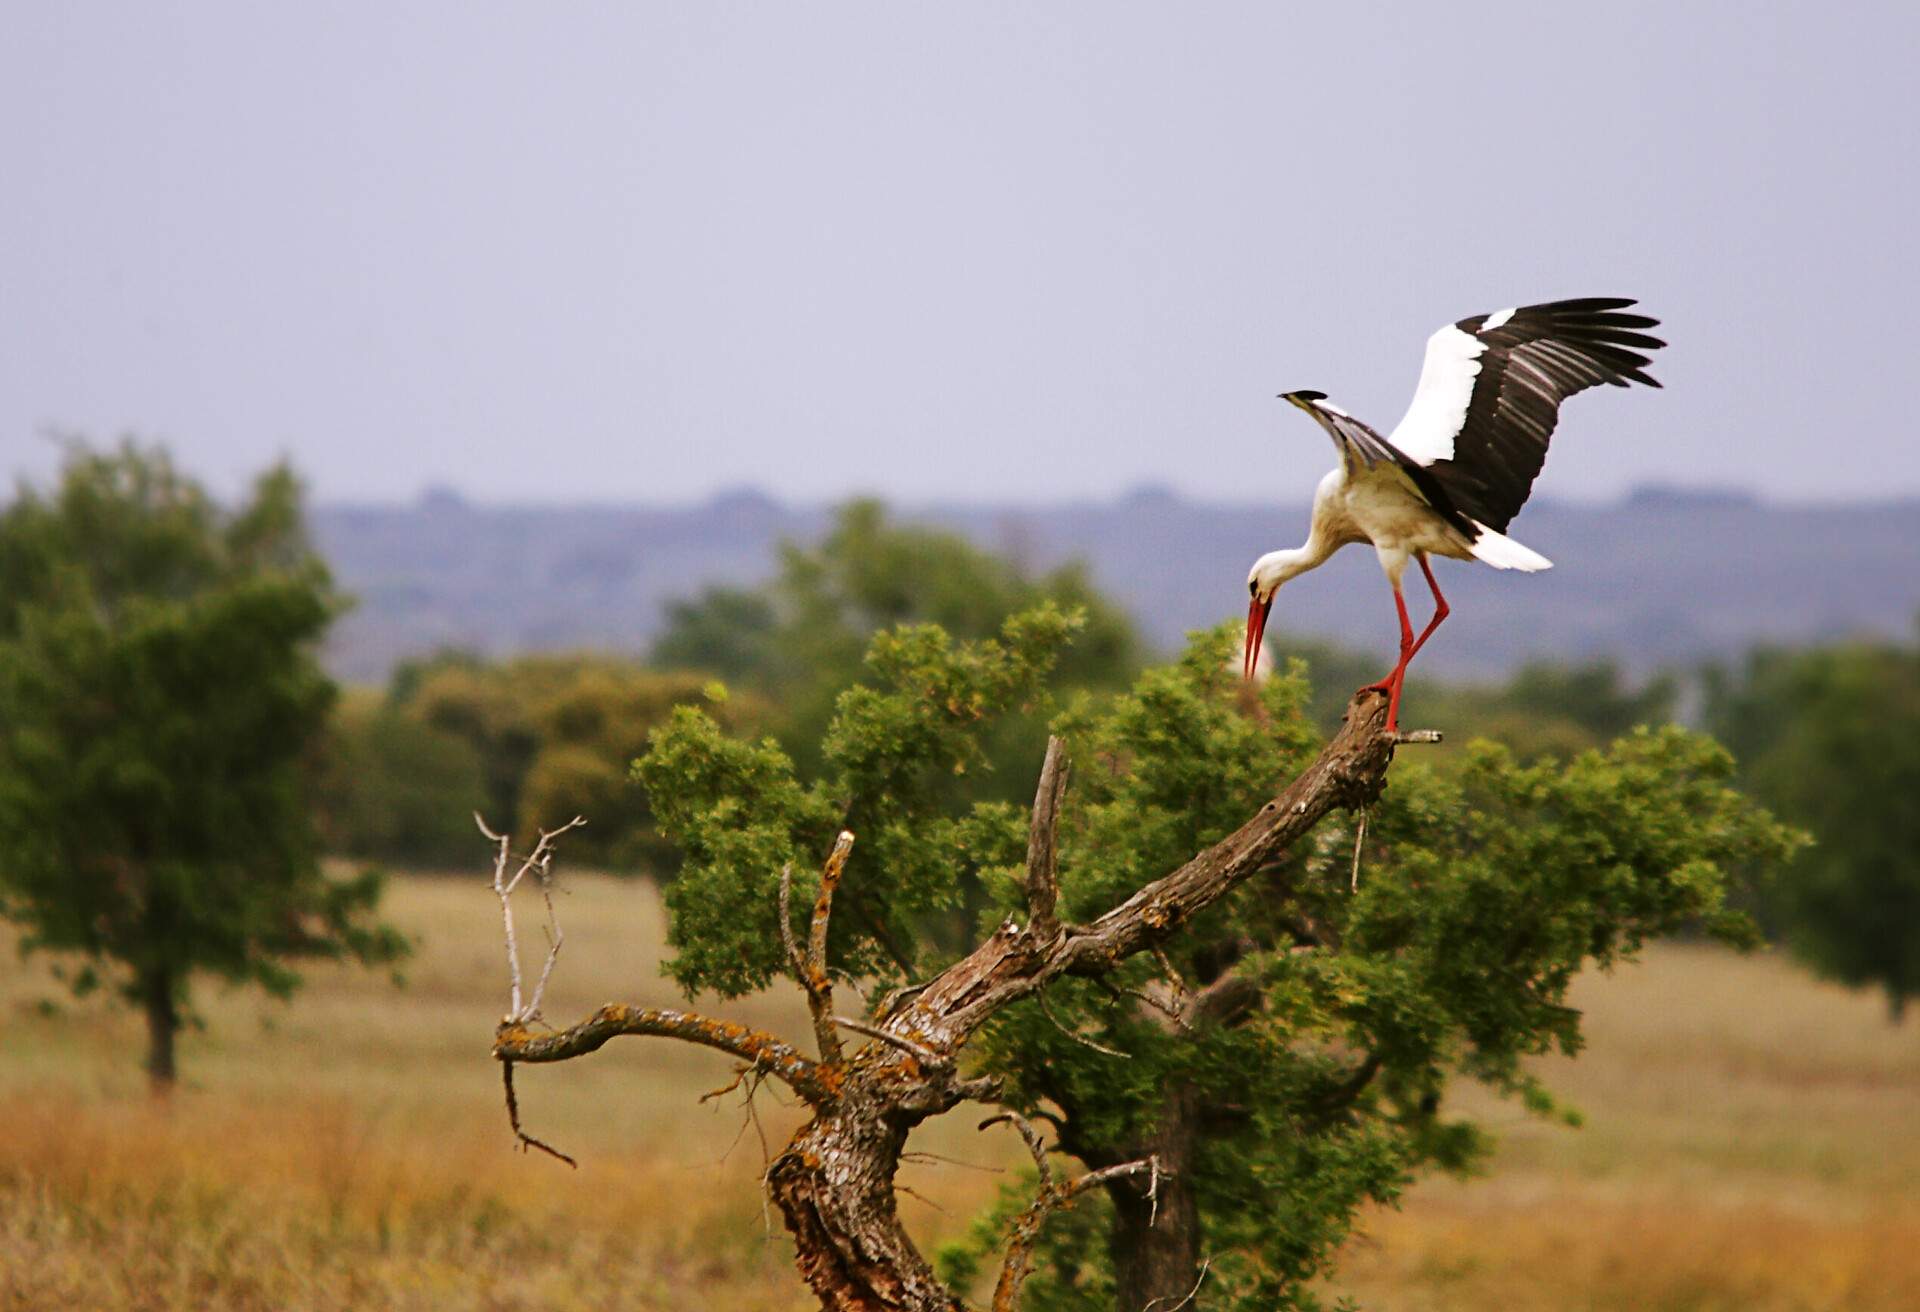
(1753, 1143)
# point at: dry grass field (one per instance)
(1753, 1143)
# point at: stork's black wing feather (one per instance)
(1490, 394)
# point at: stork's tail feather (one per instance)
(1502, 552)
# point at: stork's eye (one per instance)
(1253, 589)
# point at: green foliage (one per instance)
(739, 811)
(1831, 738)
(159, 694)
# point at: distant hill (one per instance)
(1664, 577)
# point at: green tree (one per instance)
(1173, 968)
(1830, 738)
(159, 697)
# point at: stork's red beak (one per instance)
(1256, 627)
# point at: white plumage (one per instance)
(1462, 461)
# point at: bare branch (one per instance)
(795, 961)
(1051, 1197)
(1075, 1035)
(1359, 841)
(1043, 884)
(920, 1051)
(513, 1118)
(540, 862)
(813, 970)
(1191, 1293)
(514, 1042)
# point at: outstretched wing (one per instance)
(1361, 449)
(1491, 389)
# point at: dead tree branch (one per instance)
(1051, 1197)
(539, 863)
(527, 1141)
(514, 1042)
(813, 971)
(1043, 884)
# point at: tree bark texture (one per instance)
(834, 1182)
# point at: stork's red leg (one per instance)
(1440, 608)
(1391, 684)
(1395, 683)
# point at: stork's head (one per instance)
(1263, 580)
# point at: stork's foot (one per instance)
(1386, 686)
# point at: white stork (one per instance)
(1450, 478)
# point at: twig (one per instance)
(915, 1193)
(1077, 1037)
(919, 1050)
(513, 1118)
(920, 1157)
(797, 962)
(1169, 1010)
(539, 860)
(1050, 1198)
(1204, 1265)
(1043, 884)
(1359, 840)
(555, 935)
(1419, 736)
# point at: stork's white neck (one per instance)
(1276, 567)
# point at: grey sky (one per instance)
(1010, 251)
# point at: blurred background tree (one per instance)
(519, 741)
(160, 695)
(394, 788)
(1830, 737)
(799, 640)
(1548, 708)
